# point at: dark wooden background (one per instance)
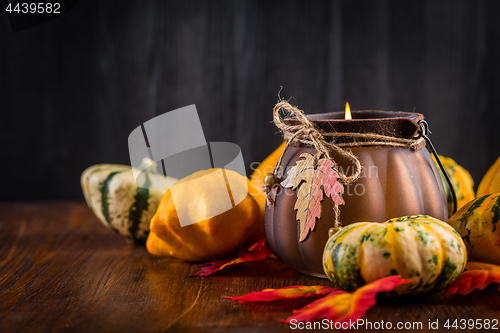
(72, 90)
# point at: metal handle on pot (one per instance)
(423, 132)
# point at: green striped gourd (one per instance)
(420, 248)
(113, 195)
(477, 222)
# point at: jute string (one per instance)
(324, 142)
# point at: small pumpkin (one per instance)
(462, 183)
(113, 195)
(421, 248)
(477, 223)
(491, 180)
(210, 236)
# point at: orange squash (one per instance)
(215, 235)
(491, 180)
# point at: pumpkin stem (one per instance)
(149, 164)
(333, 231)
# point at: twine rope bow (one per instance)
(308, 133)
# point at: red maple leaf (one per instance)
(268, 295)
(312, 180)
(335, 305)
(257, 251)
(478, 276)
(341, 306)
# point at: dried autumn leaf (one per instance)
(268, 295)
(312, 182)
(259, 250)
(477, 276)
(340, 306)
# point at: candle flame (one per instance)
(347, 111)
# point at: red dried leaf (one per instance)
(340, 306)
(259, 250)
(268, 295)
(477, 276)
(311, 181)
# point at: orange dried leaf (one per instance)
(268, 295)
(478, 275)
(259, 250)
(340, 306)
(311, 180)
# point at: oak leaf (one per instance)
(312, 179)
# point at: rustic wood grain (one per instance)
(61, 270)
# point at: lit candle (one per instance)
(347, 111)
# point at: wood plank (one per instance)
(61, 270)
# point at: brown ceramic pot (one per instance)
(395, 182)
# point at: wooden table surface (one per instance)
(61, 270)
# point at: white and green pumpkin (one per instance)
(112, 193)
(423, 249)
